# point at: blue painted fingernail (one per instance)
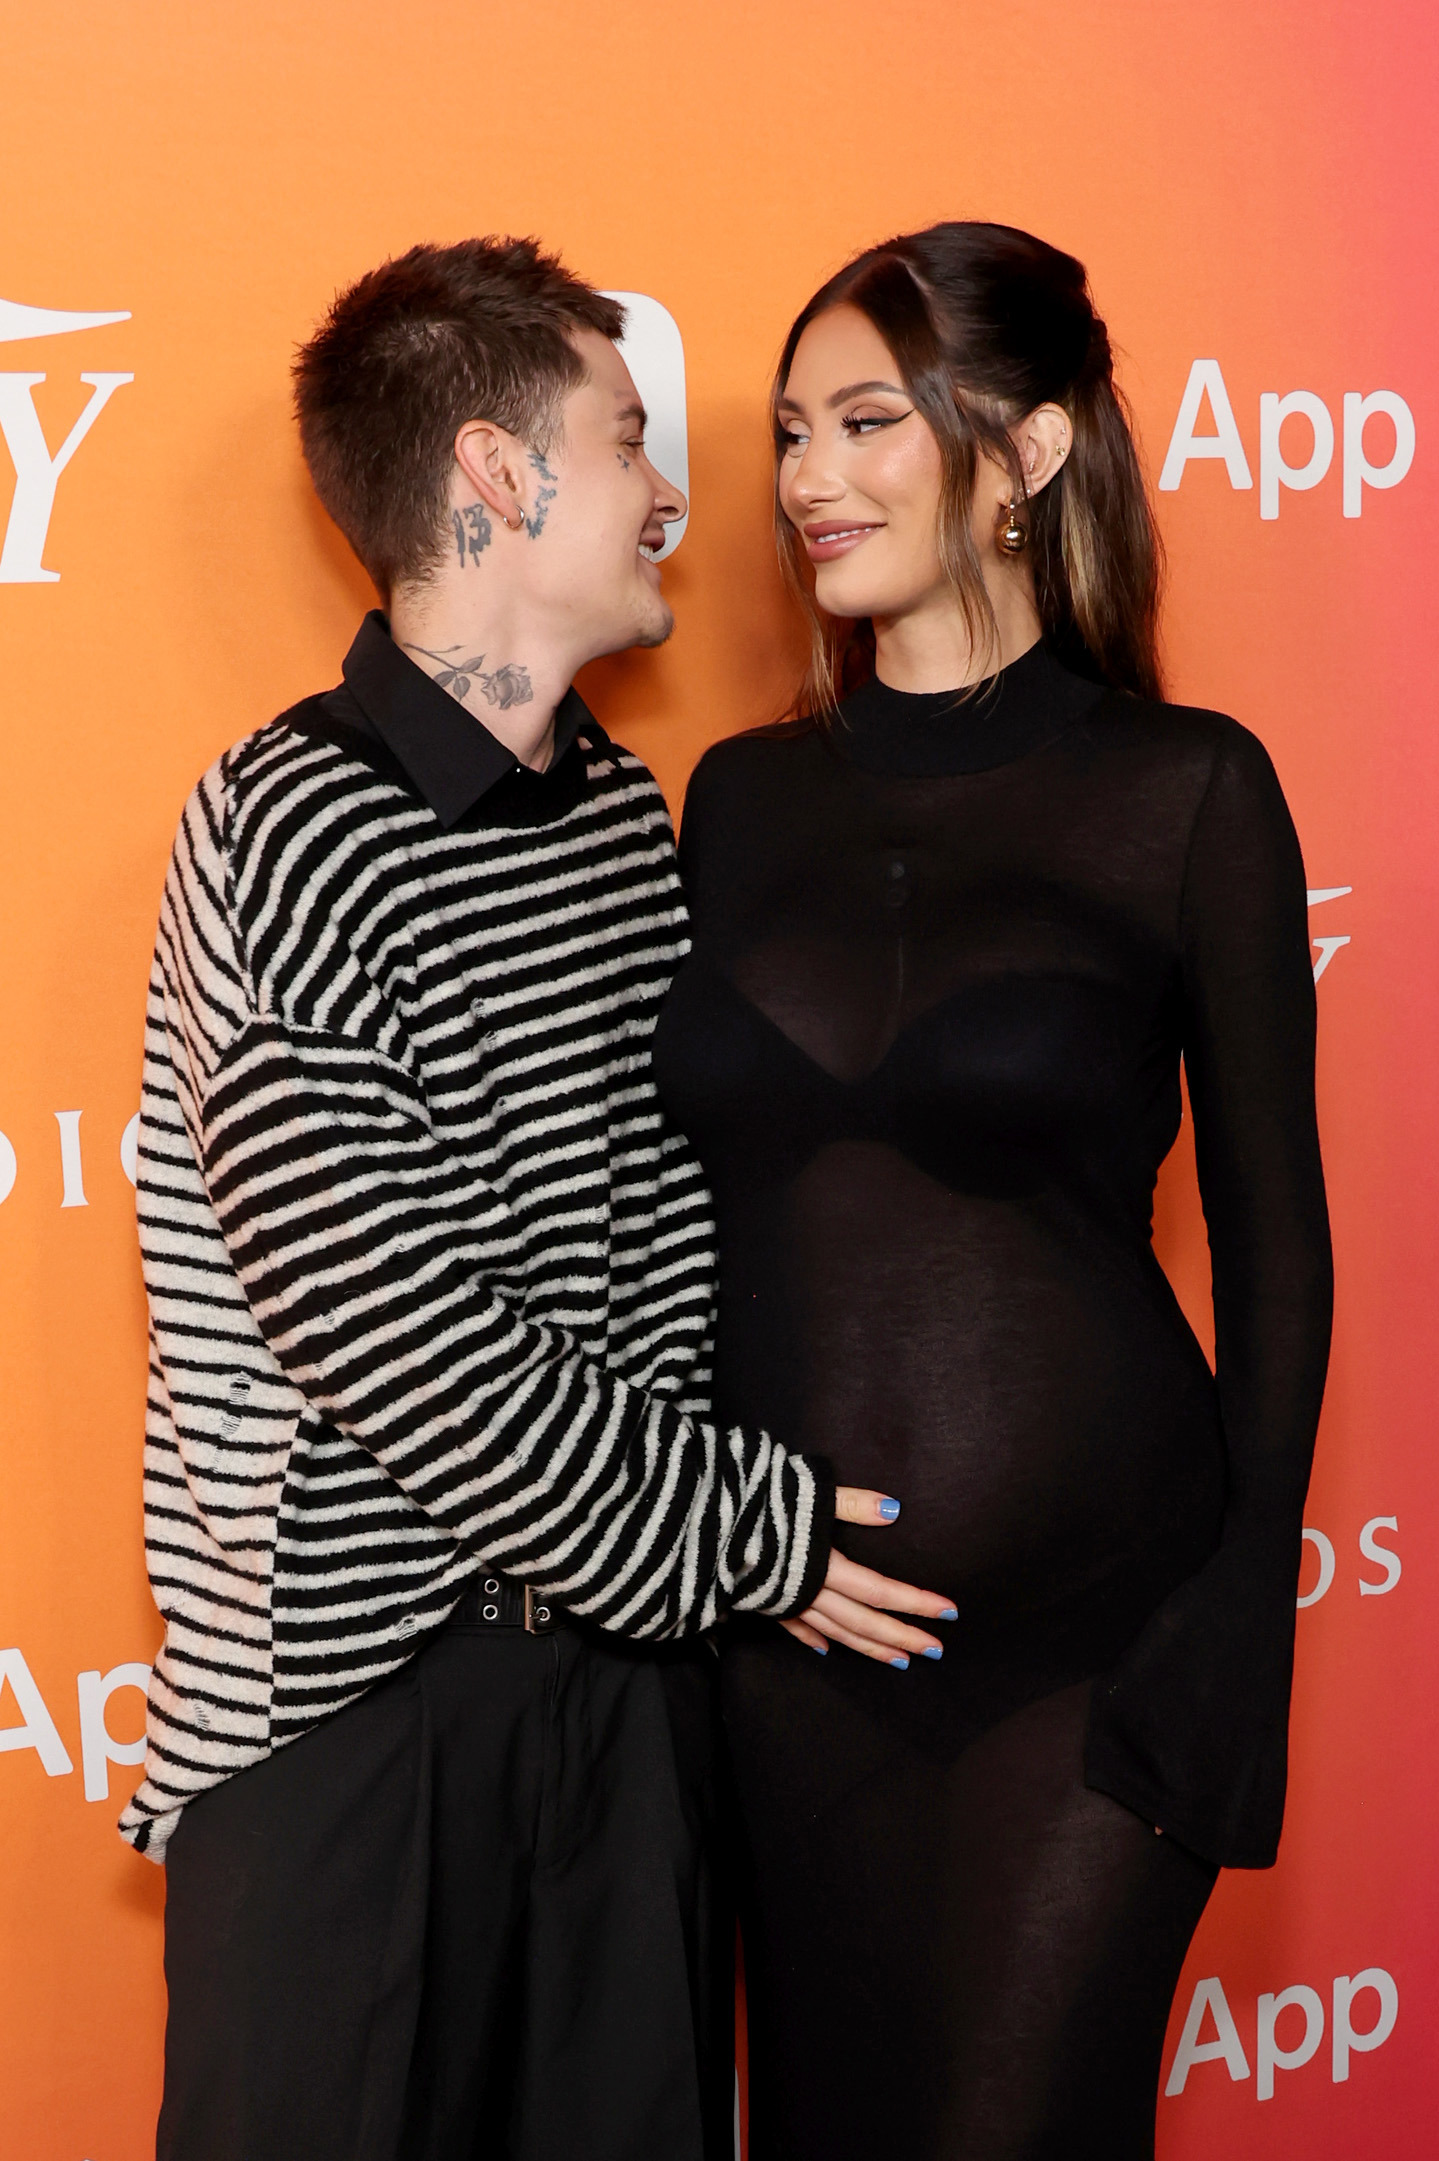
(822, 1648)
(950, 1613)
(902, 1662)
(932, 1650)
(889, 1510)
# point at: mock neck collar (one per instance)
(932, 733)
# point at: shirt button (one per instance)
(896, 890)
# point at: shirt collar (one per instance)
(449, 755)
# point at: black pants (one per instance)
(475, 1914)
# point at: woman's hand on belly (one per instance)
(856, 1605)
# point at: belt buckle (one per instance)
(538, 1620)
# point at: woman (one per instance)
(953, 934)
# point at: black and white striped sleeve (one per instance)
(359, 1242)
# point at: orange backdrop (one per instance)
(1252, 185)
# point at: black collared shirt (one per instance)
(394, 717)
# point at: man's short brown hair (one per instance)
(479, 331)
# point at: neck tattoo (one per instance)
(507, 685)
(535, 520)
(472, 532)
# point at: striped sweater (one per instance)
(430, 1279)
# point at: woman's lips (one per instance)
(825, 542)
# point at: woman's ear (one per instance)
(1043, 439)
(492, 465)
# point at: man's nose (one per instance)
(670, 502)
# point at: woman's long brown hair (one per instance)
(985, 323)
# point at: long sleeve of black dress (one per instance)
(1190, 1725)
(947, 962)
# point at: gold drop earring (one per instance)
(1013, 537)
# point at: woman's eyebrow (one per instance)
(859, 390)
(788, 404)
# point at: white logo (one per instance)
(72, 1162)
(38, 1730)
(1370, 1549)
(1347, 2038)
(655, 356)
(37, 472)
(1327, 947)
(1206, 379)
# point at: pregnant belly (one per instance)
(1021, 1382)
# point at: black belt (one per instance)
(492, 1601)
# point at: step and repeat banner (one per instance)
(1254, 190)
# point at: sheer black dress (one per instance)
(947, 961)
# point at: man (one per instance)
(430, 1286)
